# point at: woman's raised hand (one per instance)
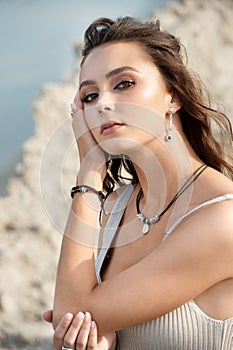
(79, 332)
(91, 155)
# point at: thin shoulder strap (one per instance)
(112, 226)
(205, 204)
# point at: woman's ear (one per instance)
(175, 103)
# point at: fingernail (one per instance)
(68, 317)
(87, 316)
(73, 107)
(79, 316)
(93, 324)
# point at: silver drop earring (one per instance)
(168, 136)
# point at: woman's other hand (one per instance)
(48, 316)
(79, 332)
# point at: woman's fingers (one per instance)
(48, 316)
(78, 101)
(61, 330)
(77, 112)
(74, 334)
(78, 122)
(91, 155)
(80, 333)
(93, 337)
(73, 331)
(82, 339)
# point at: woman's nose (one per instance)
(105, 103)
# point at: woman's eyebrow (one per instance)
(85, 83)
(109, 75)
(119, 70)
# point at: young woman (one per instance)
(156, 172)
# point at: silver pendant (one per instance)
(145, 228)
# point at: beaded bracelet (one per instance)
(84, 189)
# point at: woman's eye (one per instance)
(125, 84)
(90, 97)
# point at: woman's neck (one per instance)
(161, 171)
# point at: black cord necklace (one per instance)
(149, 221)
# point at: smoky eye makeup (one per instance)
(89, 97)
(118, 82)
(123, 79)
(88, 94)
(124, 84)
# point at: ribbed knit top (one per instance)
(185, 328)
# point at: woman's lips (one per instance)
(110, 127)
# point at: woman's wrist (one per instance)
(89, 189)
(83, 222)
(90, 178)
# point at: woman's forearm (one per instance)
(76, 272)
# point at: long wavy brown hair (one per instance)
(208, 130)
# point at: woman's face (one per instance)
(124, 95)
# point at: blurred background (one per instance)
(36, 40)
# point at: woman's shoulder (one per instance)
(212, 214)
(208, 233)
(219, 182)
(216, 191)
(213, 185)
(209, 195)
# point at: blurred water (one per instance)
(36, 40)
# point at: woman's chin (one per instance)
(119, 146)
